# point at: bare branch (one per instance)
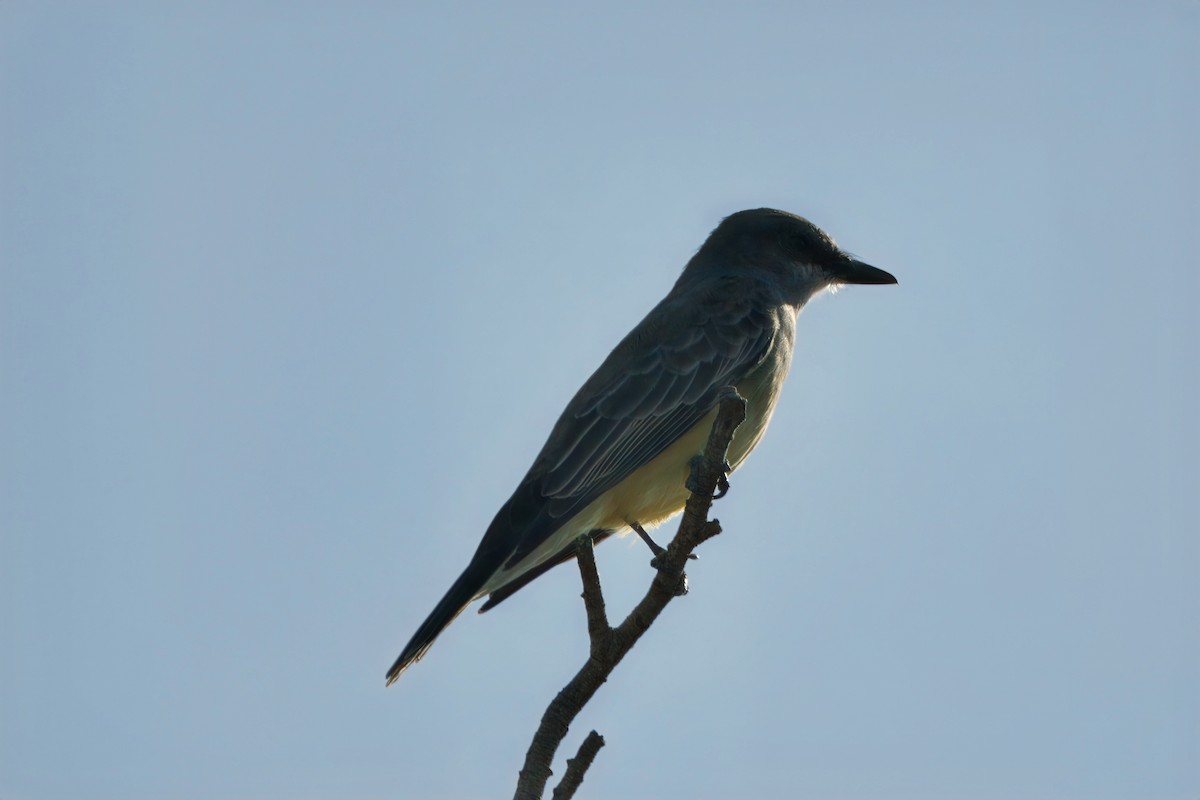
(608, 645)
(599, 632)
(577, 766)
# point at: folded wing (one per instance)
(662, 379)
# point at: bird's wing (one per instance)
(658, 383)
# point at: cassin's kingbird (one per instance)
(619, 454)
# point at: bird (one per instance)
(618, 457)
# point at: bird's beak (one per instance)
(851, 271)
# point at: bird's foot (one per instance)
(723, 481)
(658, 550)
(693, 480)
(659, 560)
(654, 546)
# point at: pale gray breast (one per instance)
(761, 387)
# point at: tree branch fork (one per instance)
(608, 645)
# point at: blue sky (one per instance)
(290, 296)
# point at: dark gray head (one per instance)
(799, 253)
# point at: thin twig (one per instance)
(599, 632)
(577, 766)
(608, 645)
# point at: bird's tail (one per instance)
(454, 603)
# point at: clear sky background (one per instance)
(291, 294)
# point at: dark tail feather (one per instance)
(450, 606)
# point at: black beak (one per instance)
(851, 271)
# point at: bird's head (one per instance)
(801, 256)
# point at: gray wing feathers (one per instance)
(666, 378)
